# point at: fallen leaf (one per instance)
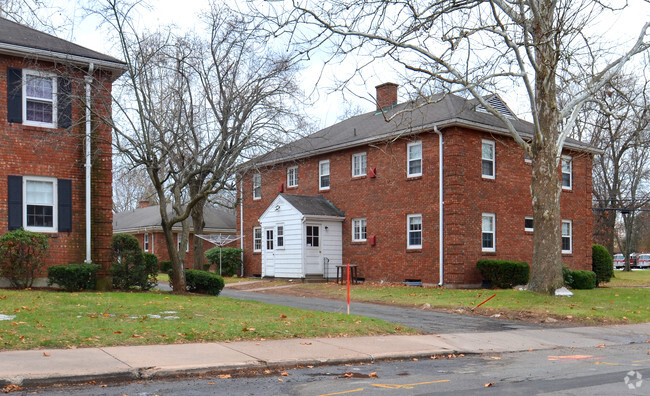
(313, 366)
(210, 383)
(11, 388)
(284, 374)
(46, 354)
(489, 384)
(495, 357)
(373, 374)
(283, 316)
(305, 343)
(279, 379)
(136, 336)
(267, 371)
(225, 376)
(347, 375)
(117, 332)
(415, 359)
(600, 346)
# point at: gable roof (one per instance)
(20, 40)
(310, 205)
(148, 219)
(409, 118)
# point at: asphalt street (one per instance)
(425, 320)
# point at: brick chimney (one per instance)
(386, 95)
(143, 203)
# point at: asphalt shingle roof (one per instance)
(313, 205)
(149, 218)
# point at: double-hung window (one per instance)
(292, 176)
(279, 237)
(566, 236)
(487, 159)
(324, 175)
(39, 93)
(488, 232)
(528, 224)
(40, 204)
(359, 164)
(414, 231)
(257, 239)
(257, 186)
(146, 242)
(358, 230)
(414, 159)
(178, 243)
(312, 237)
(567, 173)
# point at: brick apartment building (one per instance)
(44, 125)
(367, 192)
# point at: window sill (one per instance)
(257, 253)
(360, 177)
(324, 190)
(359, 242)
(292, 187)
(413, 250)
(409, 178)
(565, 189)
(567, 254)
(488, 179)
(488, 253)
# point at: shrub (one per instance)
(230, 259)
(22, 254)
(73, 277)
(203, 282)
(165, 266)
(147, 278)
(580, 279)
(504, 274)
(127, 261)
(602, 264)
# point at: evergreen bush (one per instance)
(503, 273)
(22, 255)
(230, 259)
(73, 277)
(203, 282)
(602, 264)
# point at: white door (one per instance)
(269, 252)
(313, 250)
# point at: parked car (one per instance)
(619, 261)
(643, 260)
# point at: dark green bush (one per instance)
(581, 279)
(567, 274)
(22, 255)
(165, 266)
(230, 260)
(504, 274)
(73, 277)
(203, 282)
(147, 278)
(602, 264)
(127, 261)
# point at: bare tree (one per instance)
(37, 14)
(617, 120)
(130, 186)
(477, 47)
(190, 110)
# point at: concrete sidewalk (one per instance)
(43, 367)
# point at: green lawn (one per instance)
(64, 320)
(602, 305)
(632, 278)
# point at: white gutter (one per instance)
(241, 222)
(441, 204)
(89, 79)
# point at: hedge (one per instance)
(203, 282)
(580, 279)
(73, 277)
(503, 273)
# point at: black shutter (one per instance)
(65, 204)
(64, 103)
(14, 95)
(15, 188)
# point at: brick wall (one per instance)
(386, 200)
(59, 153)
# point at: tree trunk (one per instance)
(198, 225)
(178, 272)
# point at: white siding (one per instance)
(332, 247)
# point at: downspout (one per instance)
(241, 222)
(440, 207)
(89, 79)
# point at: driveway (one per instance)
(425, 320)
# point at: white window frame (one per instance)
(145, 242)
(409, 231)
(570, 236)
(493, 231)
(322, 174)
(55, 204)
(529, 229)
(410, 159)
(359, 224)
(257, 238)
(491, 160)
(178, 243)
(257, 186)
(279, 236)
(292, 176)
(25, 98)
(360, 159)
(568, 160)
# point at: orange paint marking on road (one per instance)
(573, 357)
(406, 386)
(342, 393)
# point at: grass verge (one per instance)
(598, 306)
(45, 319)
(632, 278)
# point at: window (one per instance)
(257, 239)
(257, 186)
(292, 176)
(488, 228)
(566, 236)
(567, 174)
(279, 235)
(39, 95)
(178, 243)
(40, 203)
(414, 231)
(269, 239)
(528, 224)
(487, 159)
(146, 242)
(312, 236)
(414, 159)
(359, 164)
(324, 175)
(527, 158)
(358, 230)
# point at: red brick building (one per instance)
(43, 134)
(385, 178)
